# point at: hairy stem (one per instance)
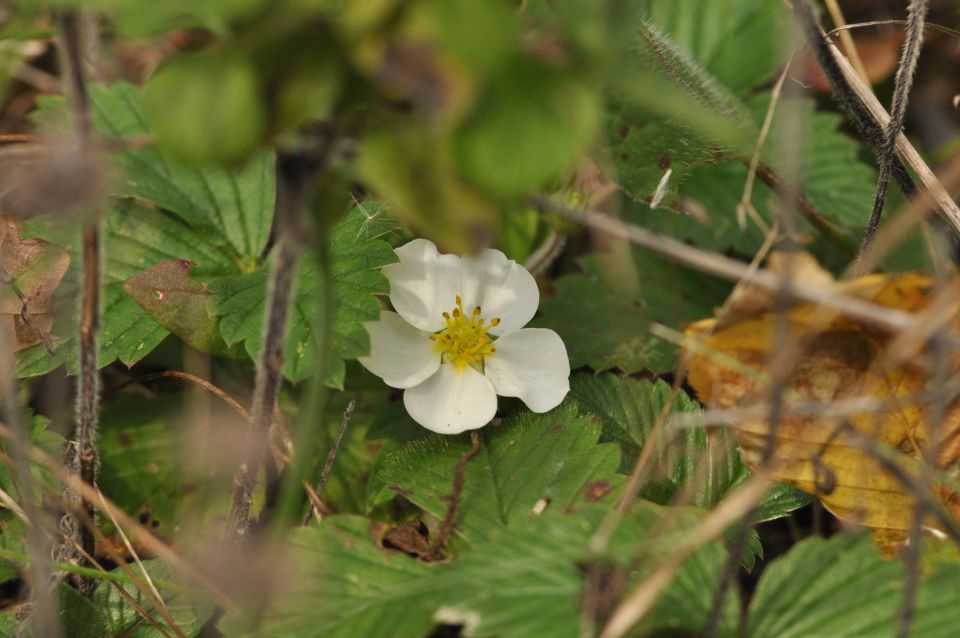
(858, 113)
(85, 455)
(266, 384)
(916, 18)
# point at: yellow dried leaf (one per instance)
(837, 360)
(30, 271)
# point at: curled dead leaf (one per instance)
(834, 361)
(30, 271)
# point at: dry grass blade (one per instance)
(727, 268)
(152, 544)
(927, 177)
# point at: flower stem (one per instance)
(446, 527)
(85, 459)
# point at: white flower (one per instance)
(457, 340)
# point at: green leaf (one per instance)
(355, 255)
(604, 313)
(715, 34)
(231, 207)
(134, 239)
(188, 610)
(692, 464)
(838, 184)
(841, 587)
(345, 586)
(529, 126)
(45, 440)
(139, 466)
(179, 304)
(77, 614)
(206, 107)
(681, 119)
(551, 456)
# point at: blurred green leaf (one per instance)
(411, 167)
(136, 20)
(188, 610)
(206, 108)
(77, 615)
(139, 468)
(529, 126)
(356, 253)
(529, 457)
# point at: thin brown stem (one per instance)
(266, 387)
(727, 268)
(446, 526)
(192, 378)
(817, 219)
(331, 455)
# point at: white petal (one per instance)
(400, 354)
(501, 287)
(424, 284)
(452, 401)
(531, 364)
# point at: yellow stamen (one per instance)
(464, 338)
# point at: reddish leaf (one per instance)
(178, 303)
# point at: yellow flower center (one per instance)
(464, 340)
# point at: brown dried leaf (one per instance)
(837, 358)
(30, 271)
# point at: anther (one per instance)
(446, 315)
(433, 337)
(456, 312)
(459, 302)
(476, 311)
(495, 321)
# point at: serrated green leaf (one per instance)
(693, 465)
(714, 33)
(681, 118)
(355, 255)
(603, 315)
(188, 611)
(134, 239)
(231, 207)
(551, 456)
(346, 585)
(841, 587)
(838, 184)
